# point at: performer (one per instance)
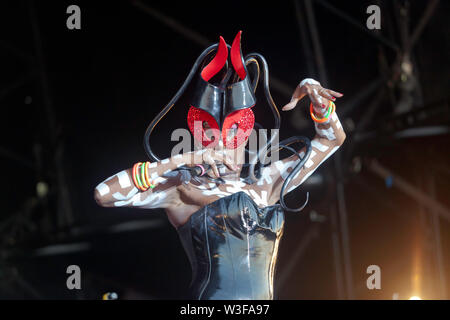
(229, 214)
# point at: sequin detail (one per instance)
(244, 120)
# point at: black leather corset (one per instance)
(232, 245)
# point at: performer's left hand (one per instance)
(319, 96)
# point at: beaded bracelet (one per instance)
(140, 176)
(331, 109)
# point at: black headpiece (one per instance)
(235, 90)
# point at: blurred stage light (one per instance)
(110, 296)
(356, 165)
(41, 189)
(415, 298)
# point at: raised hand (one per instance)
(319, 96)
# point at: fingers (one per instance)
(324, 93)
(291, 105)
(210, 157)
(229, 163)
(319, 96)
(318, 102)
(334, 93)
(296, 96)
(215, 170)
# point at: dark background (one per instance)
(75, 105)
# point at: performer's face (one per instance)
(236, 128)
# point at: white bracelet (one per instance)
(308, 81)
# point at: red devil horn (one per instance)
(236, 56)
(217, 63)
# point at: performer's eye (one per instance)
(206, 125)
(208, 132)
(232, 131)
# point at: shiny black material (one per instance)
(239, 95)
(219, 102)
(232, 246)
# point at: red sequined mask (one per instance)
(236, 128)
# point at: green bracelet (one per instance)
(139, 179)
(328, 113)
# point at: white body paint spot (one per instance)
(103, 189)
(165, 161)
(154, 175)
(124, 179)
(216, 192)
(336, 120)
(151, 201)
(316, 144)
(334, 117)
(326, 133)
(119, 196)
(283, 166)
(265, 176)
(259, 200)
(310, 163)
(159, 180)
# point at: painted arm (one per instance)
(329, 137)
(120, 191)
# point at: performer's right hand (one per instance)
(210, 157)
